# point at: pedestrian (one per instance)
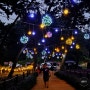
(46, 75)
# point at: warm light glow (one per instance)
(69, 41)
(57, 49)
(72, 37)
(47, 20)
(62, 47)
(77, 46)
(46, 36)
(62, 38)
(35, 49)
(42, 26)
(66, 11)
(29, 32)
(65, 50)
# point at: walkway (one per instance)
(54, 84)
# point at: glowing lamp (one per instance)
(33, 33)
(43, 40)
(66, 11)
(69, 41)
(46, 36)
(77, 46)
(86, 36)
(57, 49)
(47, 20)
(29, 32)
(62, 38)
(65, 51)
(72, 37)
(31, 15)
(62, 47)
(42, 26)
(56, 30)
(24, 39)
(49, 34)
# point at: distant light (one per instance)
(66, 11)
(56, 30)
(33, 33)
(42, 26)
(71, 46)
(31, 15)
(73, 43)
(39, 44)
(62, 38)
(47, 20)
(76, 1)
(29, 32)
(49, 34)
(75, 32)
(46, 49)
(43, 40)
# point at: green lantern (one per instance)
(47, 20)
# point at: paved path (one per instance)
(54, 84)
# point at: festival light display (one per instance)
(47, 20)
(24, 39)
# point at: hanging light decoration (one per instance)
(62, 38)
(65, 51)
(47, 20)
(49, 34)
(69, 41)
(72, 37)
(66, 11)
(42, 26)
(62, 47)
(29, 32)
(57, 49)
(24, 39)
(86, 36)
(77, 46)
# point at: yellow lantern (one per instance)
(29, 32)
(72, 37)
(62, 38)
(42, 26)
(66, 11)
(46, 36)
(69, 41)
(77, 46)
(65, 50)
(62, 47)
(57, 49)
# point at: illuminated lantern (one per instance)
(49, 34)
(69, 41)
(62, 47)
(29, 32)
(86, 36)
(57, 49)
(42, 26)
(62, 38)
(77, 46)
(66, 11)
(24, 39)
(72, 37)
(46, 36)
(65, 50)
(47, 20)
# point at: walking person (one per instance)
(46, 75)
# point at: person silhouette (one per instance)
(46, 75)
